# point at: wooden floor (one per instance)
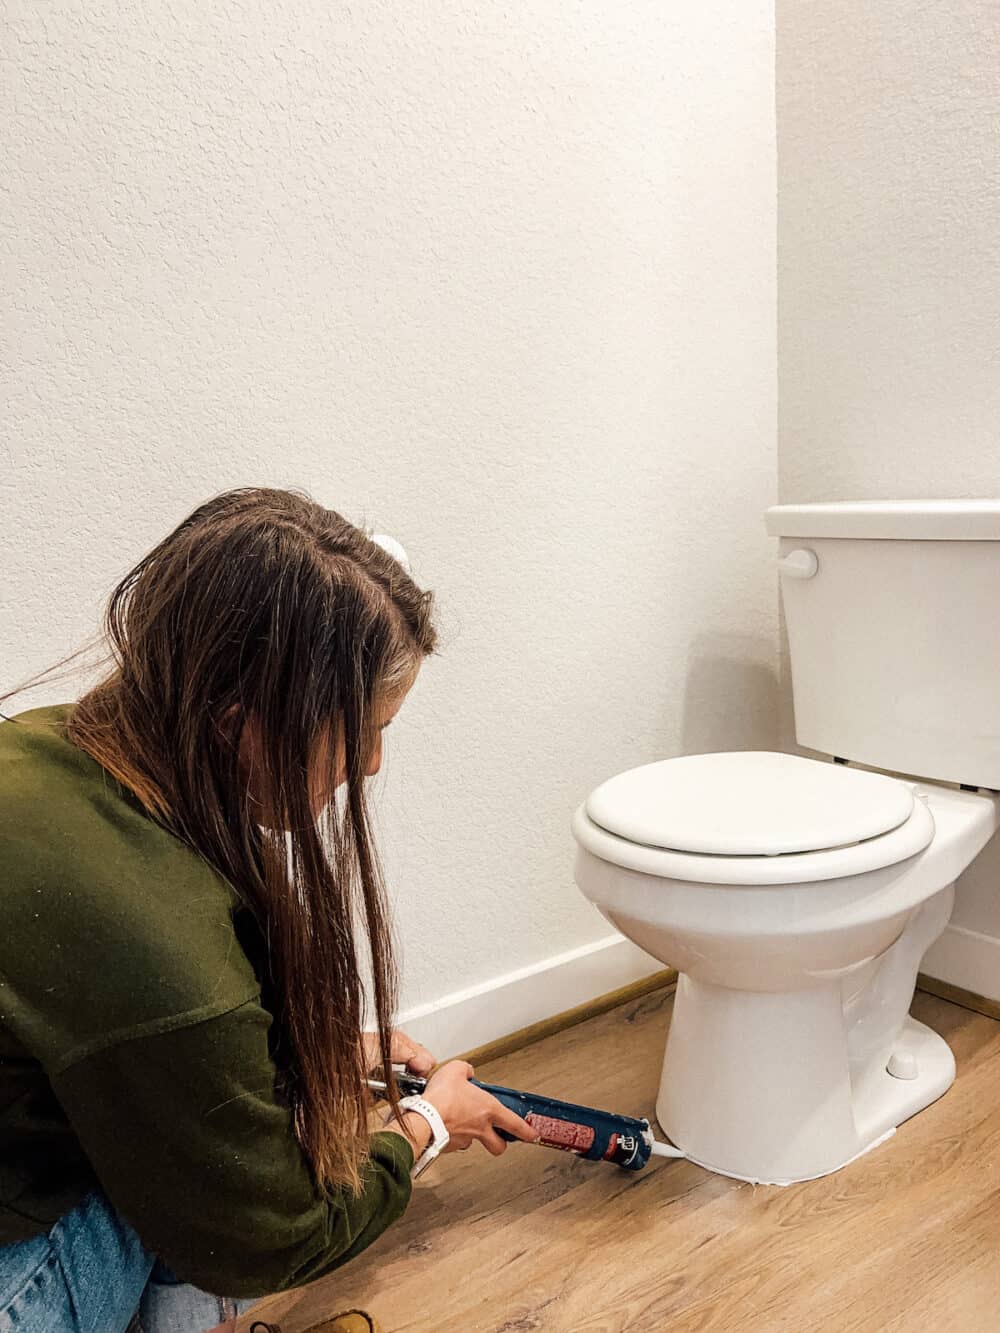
(906, 1239)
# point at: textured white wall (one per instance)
(499, 280)
(889, 269)
(889, 248)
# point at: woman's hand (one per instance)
(403, 1050)
(469, 1113)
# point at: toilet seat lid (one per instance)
(749, 803)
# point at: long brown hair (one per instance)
(264, 610)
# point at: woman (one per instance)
(185, 905)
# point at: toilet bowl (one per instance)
(797, 896)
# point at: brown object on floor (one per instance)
(901, 1241)
(351, 1321)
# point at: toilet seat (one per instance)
(752, 817)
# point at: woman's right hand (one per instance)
(469, 1113)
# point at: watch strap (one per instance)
(440, 1134)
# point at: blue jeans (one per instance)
(91, 1274)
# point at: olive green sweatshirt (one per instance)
(134, 1042)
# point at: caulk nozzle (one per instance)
(665, 1150)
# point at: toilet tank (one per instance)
(893, 617)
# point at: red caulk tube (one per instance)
(598, 1136)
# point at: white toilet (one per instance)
(796, 897)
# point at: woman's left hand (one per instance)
(403, 1050)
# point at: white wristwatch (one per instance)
(433, 1118)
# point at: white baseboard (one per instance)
(469, 1018)
(967, 959)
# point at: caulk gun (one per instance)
(599, 1136)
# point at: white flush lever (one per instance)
(800, 564)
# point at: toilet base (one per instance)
(882, 1102)
(760, 1089)
(783, 1184)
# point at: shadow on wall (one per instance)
(731, 695)
(786, 710)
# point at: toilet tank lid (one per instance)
(890, 520)
(749, 803)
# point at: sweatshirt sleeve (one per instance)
(195, 1149)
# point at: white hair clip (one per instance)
(393, 547)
